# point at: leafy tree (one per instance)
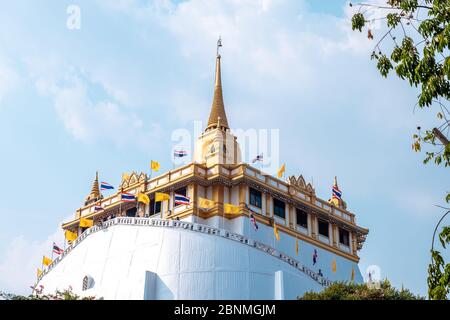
(415, 44)
(352, 291)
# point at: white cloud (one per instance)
(92, 120)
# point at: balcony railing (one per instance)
(195, 227)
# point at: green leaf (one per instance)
(358, 21)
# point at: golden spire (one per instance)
(217, 108)
(95, 191)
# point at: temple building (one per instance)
(167, 250)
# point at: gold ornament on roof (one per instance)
(300, 183)
(95, 192)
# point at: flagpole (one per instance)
(223, 217)
(198, 209)
(249, 222)
(173, 161)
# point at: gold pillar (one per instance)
(269, 211)
(242, 193)
(291, 216)
(335, 234)
(194, 197)
(217, 194)
(354, 244)
(313, 227)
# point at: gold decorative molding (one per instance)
(133, 178)
(300, 183)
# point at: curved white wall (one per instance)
(141, 262)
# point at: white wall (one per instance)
(186, 265)
(264, 234)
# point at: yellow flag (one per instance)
(206, 203)
(46, 261)
(229, 208)
(333, 265)
(86, 223)
(353, 274)
(275, 232)
(39, 272)
(296, 246)
(70, 236)
(334, 202)
(125, 176)
(281, 171)
(143, 198)
(159, 196)
(155, 165)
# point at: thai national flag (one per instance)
(337, 194)
(127, 197)
(106, 186)
(98, 208)
(180, 153)
(57, 249)
(181, 199)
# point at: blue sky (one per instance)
(148, 65)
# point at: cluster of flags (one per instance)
(203, 203)
(46, 261)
